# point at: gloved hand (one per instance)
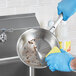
(67, 8)
(59, 61)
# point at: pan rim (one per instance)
(18, 43)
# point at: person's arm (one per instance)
(73, 64)
(63, 61)
(67, 8)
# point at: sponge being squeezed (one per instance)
(54, 50)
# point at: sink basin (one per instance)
(16, 68)
(47, 72)
(17, 24)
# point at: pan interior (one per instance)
(33, 39)
(30, 55)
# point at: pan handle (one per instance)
(59, 19)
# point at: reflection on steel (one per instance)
(9, 59)
(3, 37)
(31, 71)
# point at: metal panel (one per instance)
(18, 21)
(8, 49)
(15, 21)
(47, 72)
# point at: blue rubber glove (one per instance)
(67, 8)
(59, 61)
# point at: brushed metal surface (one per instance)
(18, 21)
(47, 72)
(14, 69)
(8, 49)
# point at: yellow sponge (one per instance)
(54, 50)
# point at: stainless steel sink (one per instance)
(14, 26)
(47, 72)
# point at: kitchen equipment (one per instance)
(40, 39)
(8, 55)
(13, 26)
